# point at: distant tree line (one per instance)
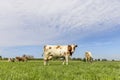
(0, 57)
(30, 57)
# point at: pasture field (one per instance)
(76, 70)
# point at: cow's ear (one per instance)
(44, 46)
(76, 45)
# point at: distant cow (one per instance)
(11, 60)
(62, 51)
(88, 56)
(23, 59)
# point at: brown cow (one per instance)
(23, 59)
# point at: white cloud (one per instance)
(35, 22)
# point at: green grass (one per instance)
(76, 70)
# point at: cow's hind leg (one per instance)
(86, 59)
(63, 61)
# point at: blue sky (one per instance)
(27, 25)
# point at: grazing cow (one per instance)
(88, 56)
(23, 59)
(11, 60)
(62, 51)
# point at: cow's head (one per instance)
(71, 48)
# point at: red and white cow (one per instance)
(64, 51)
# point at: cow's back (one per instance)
(55, 49)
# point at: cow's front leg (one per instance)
(45, 61)
(66, 58)
(91, 59)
